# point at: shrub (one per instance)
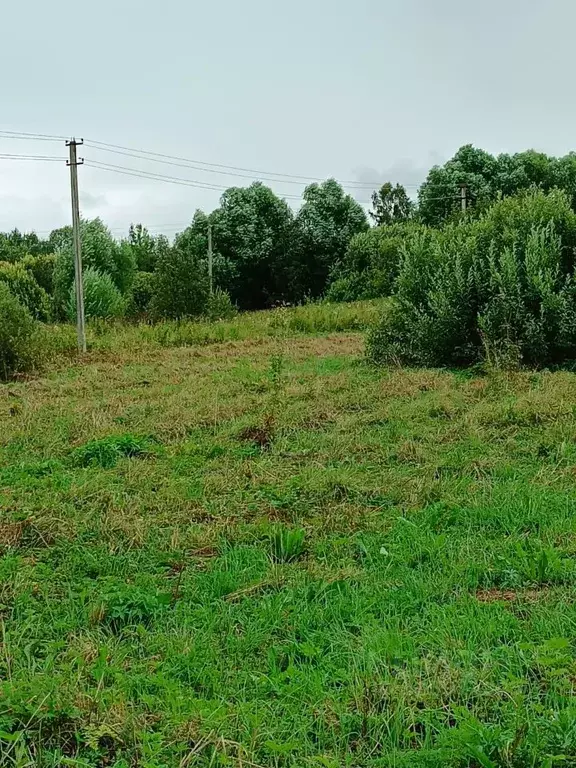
(17, 331)
(501, 287)
(181, 285)
(42, 270)
(141, 294)
(100, 252)
(23, 285)
(220, 306)
(371, 263)
(102, 299)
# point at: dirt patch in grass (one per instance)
(510, 595)
(11, 533)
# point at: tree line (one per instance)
(264, 254)
(424, 252)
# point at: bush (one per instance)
(220, 306)
(42, 270)
(501, 288)
(181, 287)
(17, 331)
(100, 252)
(141, 294)
(23, 285)
(102, 299)
(371, 263)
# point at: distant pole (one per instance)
(210, 256)
(464, 197)
(73, 162)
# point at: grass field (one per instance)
(264, 552)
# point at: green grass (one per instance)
(124, 338)
(266, 553)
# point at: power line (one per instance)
(119, 149)
(201, 165)
(198, 167)
(7, 156)
(161, 177)
(30, 136)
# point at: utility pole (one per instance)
(73, 162)
(464, 197)
(210, 257)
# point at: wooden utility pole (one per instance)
(210, 257)
(73, 162)
(464, 197)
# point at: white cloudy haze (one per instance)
(368, 90)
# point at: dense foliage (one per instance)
(493, 280)
(253, 230)
(326, 222)
(102, 299)
(141, 294)
(488, 177)
(17, 329)
(181, 286)
(100, 251)
(501, 286)
(371, 262)
(391, 205)
(25, 288)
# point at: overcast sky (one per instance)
(367, 90)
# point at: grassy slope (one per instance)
(145, 622)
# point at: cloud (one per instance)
(90, 202)
(403, 171)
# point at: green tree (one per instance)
(22, 284)
(439, 195)
(141, 294)
(143, 247)
(60, 237)
(325, 224)
(181, 287)
(195, 239)
(102, 299)
(100, 251)
(42, 269)
(17, 330)
(488, 178)
(391, 205)
(371, 263)
(252, 235)
(15, 245)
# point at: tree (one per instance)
(326, 222)
(17, 330)
(102, 298)
(15, 245)
(143, 247)
(60, 237)
(252, 235)
(194, 239)
(22, 284)
(181, 283)
(391, 205)
(488, 178)
(371, 263)
(100, 251)
(439, 195)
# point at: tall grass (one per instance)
(312, 319)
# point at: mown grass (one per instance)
(266, 553)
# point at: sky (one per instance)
(365, 91)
